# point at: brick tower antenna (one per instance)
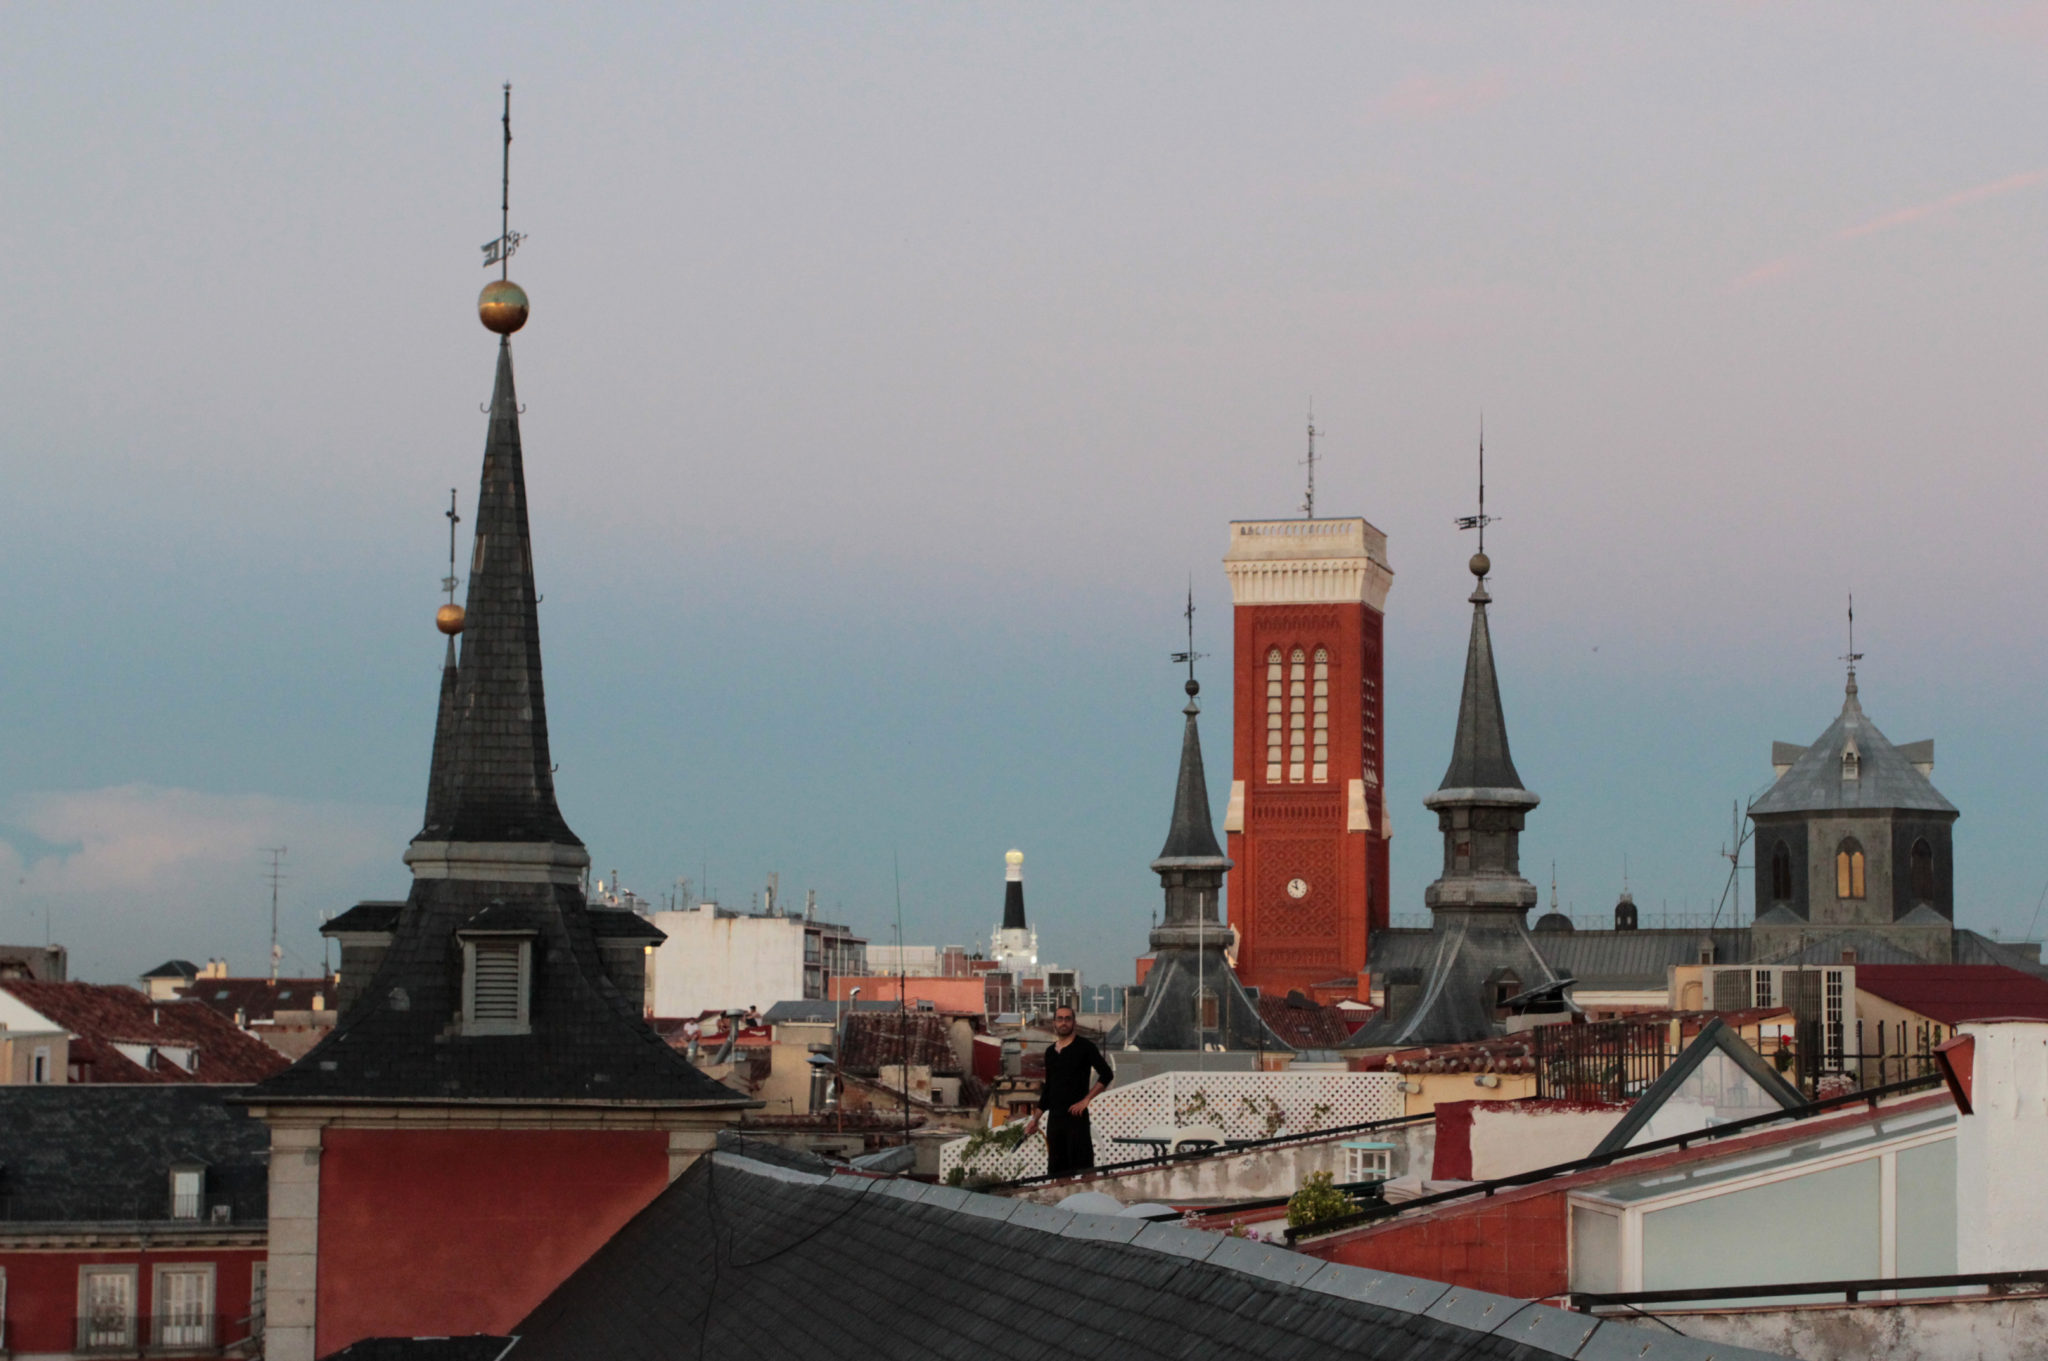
(1308, 505)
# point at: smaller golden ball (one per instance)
(449, 619)
(502, 306)
(1481, 564)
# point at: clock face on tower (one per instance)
(1297, 888)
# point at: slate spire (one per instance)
(1192, 835)
(1479, 751)
(499, 781)
(444, 747)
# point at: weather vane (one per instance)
(1190, 657)
(1480, 563)
(1308, 507)
(499, 252)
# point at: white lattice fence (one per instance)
(1242, 1105)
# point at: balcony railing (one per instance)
(183, 1333)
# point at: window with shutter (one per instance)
(184, 1307)
(106, 1312)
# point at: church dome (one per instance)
(1554, 921)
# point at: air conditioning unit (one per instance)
(222, 1214)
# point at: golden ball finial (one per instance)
(502, 306)
(1481, 564)
(450, 618)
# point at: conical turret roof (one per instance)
(500, 784)
(1479, 752)
(1192, 835)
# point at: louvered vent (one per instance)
(495, 989)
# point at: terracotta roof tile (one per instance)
(101, 1016)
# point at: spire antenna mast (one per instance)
(1852, 656)
(1308, 506)
(1190, 657)
(1481, 564)
(450, 582)
(499, 252)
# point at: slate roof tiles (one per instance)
(895, 1269)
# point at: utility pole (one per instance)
(275, 875)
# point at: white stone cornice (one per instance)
(519, 862)
(1301, 562)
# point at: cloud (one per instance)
(136, 869)
(1423, 97)
(2026, 179)
(1898, 217)
(1770, 269)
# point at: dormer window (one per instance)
(188, 1191)
(1852, 766)
(497, 984)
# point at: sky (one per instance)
(893, 371)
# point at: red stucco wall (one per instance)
(42, 1291)
(430, 1232)
(1509, 1246)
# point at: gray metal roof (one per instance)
(1886, 777)
(1479, 752)
(1191, 835)
(885, 1268)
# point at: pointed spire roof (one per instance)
(1013, 892)
(444, 747)
(1192, 835)
(1479, 753)
(500, 784)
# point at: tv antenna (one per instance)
(275, 875)
(499, 252)
(1190, 657)
(1308, 506)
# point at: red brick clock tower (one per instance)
(1307, 819)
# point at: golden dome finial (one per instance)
(451, 616)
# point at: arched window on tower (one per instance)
(1297, 717)
(1920, 870)
(1319, 755)
(1781, 873)
(1849, 868)
(1275, 715)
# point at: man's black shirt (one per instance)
(1067, 1074)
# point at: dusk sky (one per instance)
(892, 369)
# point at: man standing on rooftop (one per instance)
(1070, 1061)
